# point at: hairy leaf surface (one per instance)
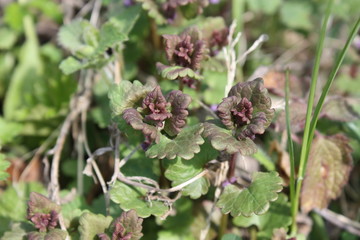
(254, 199)
(181, 170)
(92, 224)
(223, 140)
(184, 145)
(134, 198)
(278, 216)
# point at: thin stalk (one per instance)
(306, 137)
(331, 78)
(291, 149)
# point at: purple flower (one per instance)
(186, 50)
(247, 109)
(45, 221)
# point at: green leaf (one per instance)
(153, 11)
(93, 224)
(70, 65)
(110, 34)
(215, 83)
(3, 166)
(127, 94)
(175, 72)
(327, 171)
(134, 198)
(18, 231)
(126, 17)
(230, 236)
(254, 199)
(13, 200)
(56, 234)
(181, 170)
(265, 6)
(14, 14)
(296, 15)
(78, 36)
(8, 38)
(8, 131)
(223, 140)
(184, 145)
(278, 216)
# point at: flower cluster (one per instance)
(158, 113)
(186, 51)
(42, 212)
(247, 109)
(218, 40)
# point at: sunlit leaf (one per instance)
(181, 170)
(223, 140)
(254, 199)
(92, 224)
(184, 145)
(278, 216)
(175, 72)
(127, 94)
(129, 197)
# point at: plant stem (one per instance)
(290, 149)
(223, 224)
(306, 138)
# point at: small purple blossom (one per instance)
(45, 221)
(214, 1)
(227, 182)
(128, 3)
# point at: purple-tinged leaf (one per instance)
(185, 145)
(247, 109)
(134, 118)
(42, 212)
(127, 227)
(155, 108)
(179, 103)
(223, 140)
(186, 50)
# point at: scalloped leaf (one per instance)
(185, 145)
(254, 199)
(71, 64)
(38, 203)
(223, 140)
(128, 223)
(92, 224)
(126, 94)
(278, 216)
(327, 171)
(56, 234)
(175, 72)
(181, 170)
(110, 34)
(133, 118)
(78, 35)
(153, 11)
(130, 197)
(3, 166)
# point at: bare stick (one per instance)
(340, 221)
(211, 112)
(95, 12)
(117, 157)
(154, 189)
(127, 158)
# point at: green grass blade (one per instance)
(330, 80)
(306, 138)
(290, 148)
